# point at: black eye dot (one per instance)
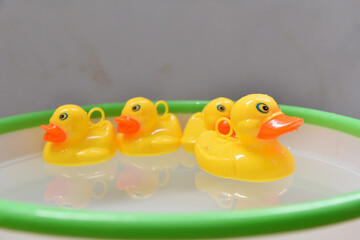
(135, 108)
(262, 107)
(221, 108)
(63, 116)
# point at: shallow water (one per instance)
(326, 160)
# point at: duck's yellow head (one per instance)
(69, 123)
(138, 114)
(259, 115)
(215, 109)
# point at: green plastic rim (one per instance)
(99, 224)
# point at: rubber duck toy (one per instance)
(255, 155)
(142, 132)
(206, 120)
(73, 140)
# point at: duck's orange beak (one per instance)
(224, 128)
(279, 125)
(127, 125)
(53, 133)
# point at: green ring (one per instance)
(85, 223)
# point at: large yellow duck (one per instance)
(256, 155)
(73, 140)
(205, 120)
(142, 132)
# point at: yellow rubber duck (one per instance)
(142, 132)
(256, 155)
(206, 120)
(73, 140)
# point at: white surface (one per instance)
(326, 162)
(301, 52)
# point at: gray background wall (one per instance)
(304, 53)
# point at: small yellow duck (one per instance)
(206, 120)
(255, 155)
(142, 132)
(73, 140)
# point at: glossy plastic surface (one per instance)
(315, 197)
(256, 155)
(206, 120)
(73, 140)
(174, 194)
(142, 132)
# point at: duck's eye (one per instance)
(262, 107)
(221, 108)
(135, 108)
(63, 116)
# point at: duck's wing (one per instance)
(216, 154)
(101, 136)
(169, 125)
(194, 127)
(94, 154)
(102, 130)
(163, 142)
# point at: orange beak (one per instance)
(53, 133)
(224, 128)
(279, 125)
(127, 125)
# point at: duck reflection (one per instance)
(241, 195)
(188, 160)
(74, 187)
(142, 176)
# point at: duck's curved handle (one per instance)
(217, 127)
(165, 105)
(167, 177)
(102, 116)
(225, 202)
